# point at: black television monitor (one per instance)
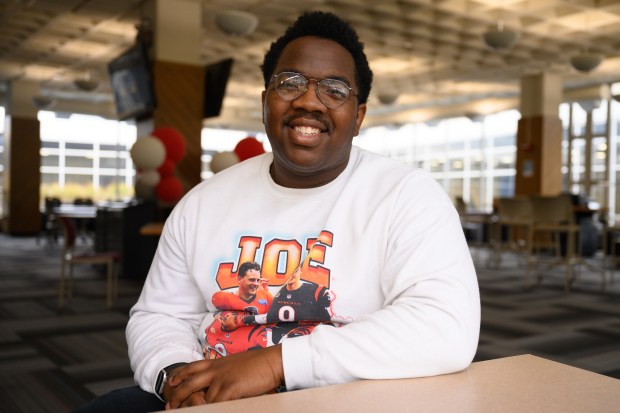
(132, 83)
(216, 79)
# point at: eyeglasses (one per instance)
(331, 92)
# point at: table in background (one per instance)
(152, 229)
(514, 384)
(83, 215)
(75, 211)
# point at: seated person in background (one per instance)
(382, 238)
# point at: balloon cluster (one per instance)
(156, 157)
(245, 149)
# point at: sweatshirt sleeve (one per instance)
(163, 324)
(430, 321)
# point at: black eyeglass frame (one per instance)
(318, 82)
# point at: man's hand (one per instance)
(194, 399)
(246, 374)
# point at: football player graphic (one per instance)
(227, 335)
(253, 295)
(299, 300)
(295, 309)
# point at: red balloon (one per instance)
(173, 141)
(169, 189)
(166, 169)
(248, 148)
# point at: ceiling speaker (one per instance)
(586, 62)
(387, 98)
(87, 85)
(43, 102)
(236, 23)
(500, 38)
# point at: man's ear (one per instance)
(263, 97)
(361, 113)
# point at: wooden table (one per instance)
(514, 384)
(152, 229)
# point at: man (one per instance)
(299, 300)
(296, 309)
(227, 335)
(252, 296)
(384, 238)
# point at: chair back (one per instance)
(69, 232)
(517, 209)
(556, 210)
(83, 201)
(461, 205)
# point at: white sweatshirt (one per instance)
(391, 264)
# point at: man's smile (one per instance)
(307, 130)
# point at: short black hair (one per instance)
(325, 25)
(247, 266)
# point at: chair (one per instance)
(71, 257)
(474, 224)
(554, 220)
(512, 228)
(49, 222)
(611, 240)
(85, 226)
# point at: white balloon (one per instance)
(144, 192)
(149, 177)
(148, 153)
(223, 160)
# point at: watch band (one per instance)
(162, 379)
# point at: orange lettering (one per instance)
(274, 250)
(225, 277)
(312, 270)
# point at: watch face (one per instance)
(162, 377)
(161, 381)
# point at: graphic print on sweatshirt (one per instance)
(266, 307)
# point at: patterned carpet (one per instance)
(581, 328)
(54, 360)
(51, 359)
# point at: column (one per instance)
(178, 79)
(22, 177)
(539, 136)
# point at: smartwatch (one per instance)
(162, 379)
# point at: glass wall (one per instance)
(88, 156)
(85, 156)
(471, 158)
(599, 155)
(475, 159)
(223, 140)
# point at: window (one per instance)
(218, 140)
(85, 156)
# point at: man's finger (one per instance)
(187, 387)
(196, 399)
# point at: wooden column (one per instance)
(179, 80)
(22, 176)
(539, 137)
(539, 156)
(180, 90)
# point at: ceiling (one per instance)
(427, 54)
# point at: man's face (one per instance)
(249, 283)
(294, 281)
(311, 143)
(229, 321)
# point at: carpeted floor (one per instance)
(54, 360)
(51, 359)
